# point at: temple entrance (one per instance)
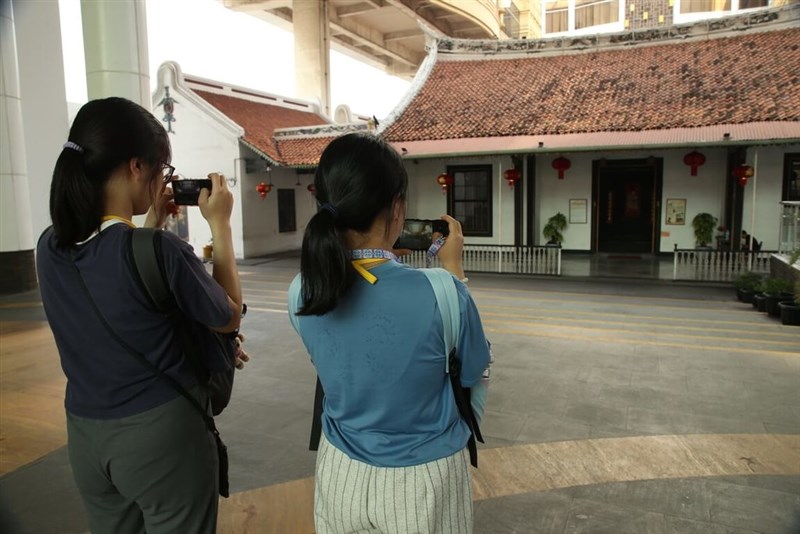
(626, 207)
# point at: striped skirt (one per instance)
(354, 497)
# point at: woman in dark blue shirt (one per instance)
(141, 455)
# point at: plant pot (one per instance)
(760, 302)
(747, 295)
(773, 300)
(790, 313)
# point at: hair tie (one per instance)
(74, 146)
(330, 208)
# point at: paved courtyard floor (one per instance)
(616, 405)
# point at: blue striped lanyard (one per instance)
(364, 258)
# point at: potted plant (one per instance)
(552, 230)
(776, 290)
(790, 310)
(746, 285)
(704, 224)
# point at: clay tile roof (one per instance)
(303, 151)
(734, 80)
(260, 120)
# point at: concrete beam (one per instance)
(404, 34)
(359, 9)
(369, 37)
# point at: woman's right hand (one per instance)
(216, 205)
(450, 253)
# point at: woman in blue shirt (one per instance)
(141, 455)
(392, 457)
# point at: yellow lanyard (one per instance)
(362, 266)
(118, 218)
(364, 259)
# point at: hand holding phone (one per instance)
(187, 191)
(417, 234)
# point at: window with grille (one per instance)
(572, 15)
(469, 200)
(287, 221)
(791, 177)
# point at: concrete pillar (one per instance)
(115, 46)
(17, 272)
(44, 100)
(312, 51)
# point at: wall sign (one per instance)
(577, 210)
(676, 211)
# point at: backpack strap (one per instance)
(444, 287)
(447, 299)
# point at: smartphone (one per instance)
(187, 191)
(417, 234)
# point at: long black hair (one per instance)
(358, 179)
(104, 135)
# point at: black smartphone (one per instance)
(187, 191)
(417, 234)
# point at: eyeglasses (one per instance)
(168, 170)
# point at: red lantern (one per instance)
(512, 176)
(445, 180)
(742, 173)
(263, 189)
(561, 164)
(694, 160)
(312, 189)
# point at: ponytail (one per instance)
(358, 179)
(324, 264)
(76, 204)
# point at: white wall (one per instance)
(768, 187)
(553, 196)
(704, 193)
(260, 217)
(201, 145)
(426, 201)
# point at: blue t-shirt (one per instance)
(103, 380)
(380, 356)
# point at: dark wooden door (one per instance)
(625, 209)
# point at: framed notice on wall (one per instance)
(676, 211)
(577, 210)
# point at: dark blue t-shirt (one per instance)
(103, 380)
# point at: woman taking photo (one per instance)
(141, 455)
(392, 456)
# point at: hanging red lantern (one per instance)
(263, 189)
(742, 173)
(561, 164)
(512, 176)
(445, 180)
(694, 160)
(312, 189)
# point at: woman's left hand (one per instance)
(241, 355)
(163, 206)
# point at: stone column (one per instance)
(312, 51)
(115, 47)
(44, 100)
(17, 272)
